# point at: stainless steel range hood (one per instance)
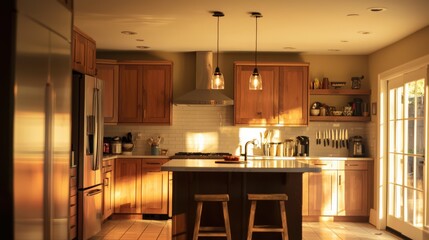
(203, 95)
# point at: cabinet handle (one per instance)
(339, 180)
(259, 113)
(351, 165)
(321, 164)
(106, 182)
(153, 163)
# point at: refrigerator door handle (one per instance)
(94, 192)
(95, 106)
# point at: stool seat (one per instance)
(212, 231)
(281, 198)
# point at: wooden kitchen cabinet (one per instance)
(83, 53)
(283, 99)
(128, 185)
(322, 189)
(353, 189)
(108, 188)
(145, 92)
(155, 186)
(108, 71)
(341, 189)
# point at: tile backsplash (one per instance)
(211, 129)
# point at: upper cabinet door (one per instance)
(90, 56)
(293, 95)
(79, 46)
(109, 73)
(255, 107)
(130, 108)
(157, 92)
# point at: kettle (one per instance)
(356, 148)
(302, 146)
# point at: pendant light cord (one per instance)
(217, 51)
(256, 43)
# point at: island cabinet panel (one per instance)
(109, 73)
(256, 107)
(145, 92)
(155, 184)
(128, 185)
(237, 185)
(283, 99)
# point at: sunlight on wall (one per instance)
(202, 142)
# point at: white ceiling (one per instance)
(308, 26)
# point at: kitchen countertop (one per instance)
(210, 165)
(108, 157)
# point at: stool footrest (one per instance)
(211, 197)
(212, 229)
(268, 197)
(266, 228)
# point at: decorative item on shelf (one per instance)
(357, 107)
(314, 112)
(154, 145)
(217, 81)
(323, 111)
(348, 111)
(331, 109)
(255, 80)
(356, 82)
(325, 83)
(365, 109)
(337, 113)
(316, 83)
(338, 85)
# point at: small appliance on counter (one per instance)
(302, 146)
(127, 144)
(356, 148)
(116, 145)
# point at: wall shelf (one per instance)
(339, 92)
(340, 118)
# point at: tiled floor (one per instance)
(161, 230)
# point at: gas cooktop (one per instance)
(200, 155)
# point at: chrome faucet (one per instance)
(254, 142)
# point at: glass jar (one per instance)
(356, 82)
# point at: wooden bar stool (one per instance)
(267, 228)
(210, 231)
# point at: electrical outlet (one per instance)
(138, 135)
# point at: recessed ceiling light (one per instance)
(344, 41)
(377, 9)
(289, 48)
(128, 32)
(352, 15)
(334, 50)
(364, 32)
(139, 40)
(142, 47)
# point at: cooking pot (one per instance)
(289, 147)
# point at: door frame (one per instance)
(379, 216)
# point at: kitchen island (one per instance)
(215, 176)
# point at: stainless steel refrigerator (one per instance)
(42, 120)
(88, 151)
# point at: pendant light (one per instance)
(255, 80)
(217, 81)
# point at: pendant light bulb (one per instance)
(255, 80)
(217, 81)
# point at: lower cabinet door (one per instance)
(154, 192)
(128, 185)
(107, 195)
(353, 193)
(322, 188)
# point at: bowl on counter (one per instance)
(314, 112)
